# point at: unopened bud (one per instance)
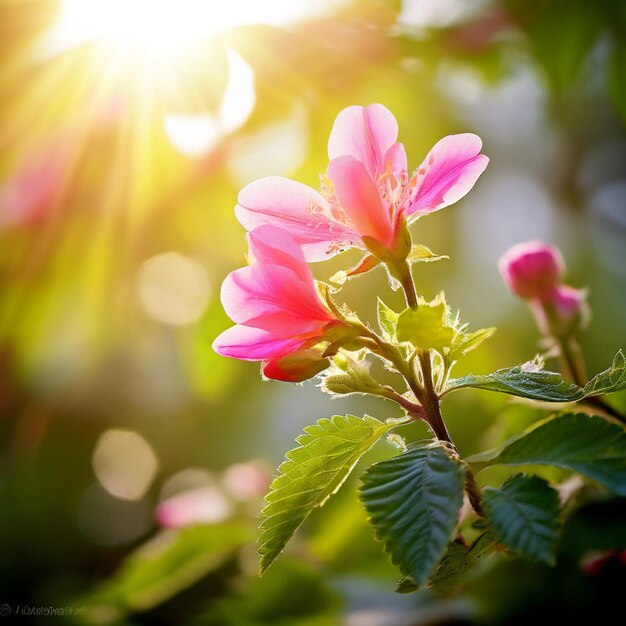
(532, 269)
(566, 310)
(296, 367)
(349, 375)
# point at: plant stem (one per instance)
(435, 421)
(406, 280)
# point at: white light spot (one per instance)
(173, 288)
(124, 464)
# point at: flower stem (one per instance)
(435, 421)
(403, 274)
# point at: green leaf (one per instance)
(312, 473)
(451, 568)
(425, 327)
(584, 443)
(387, 321)
(167, 564)
(524, 515)
(563, 36)
(463, 343)
(529, 381)
(610, 380)
(421, 254)
(413, 501)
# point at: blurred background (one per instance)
(126, 130)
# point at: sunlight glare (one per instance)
(165, 27)
(197, 134)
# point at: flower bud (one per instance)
(296, 367)
(532, 269)
(348, 375)
(566, 310)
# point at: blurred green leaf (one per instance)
(290, 593)
(617, 78)
(562, 37)
(167, 564)
(524, 515)
(413, 501)
(584, 443)
(313, 472)
(527, 381)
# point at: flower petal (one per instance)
(365, 133)
(396, 156)
(296, 209)
(360, 199)
(275, 299)
(271, 245)
(254, 344)
(447, 173)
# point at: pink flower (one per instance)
(368, 192)
(280, 317)
(532, 269)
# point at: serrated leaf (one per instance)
(584, 443)
(463, 343)
(528, 381)
(524, 515)
(387, 321)
(312, 472)
(425, 327)
(413, 501)
(421, 253)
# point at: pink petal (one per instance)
(447, 173)
(270, 245)
(360, 199)
(273, 298)
(365, 133)
(396, 156)
(253, 344)
(296, 209)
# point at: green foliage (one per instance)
(422, 254)
(463, 342)
(314, 471)
(524, 515)
(170, 562)
(413, 501)
(584, 443)
(425, 327)
(617, 78)
(562, 37)
(387, 321)
(290, 593)
(530, 381)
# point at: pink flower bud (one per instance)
(532, 269)
(566, 309)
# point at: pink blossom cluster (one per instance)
(366, 201)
